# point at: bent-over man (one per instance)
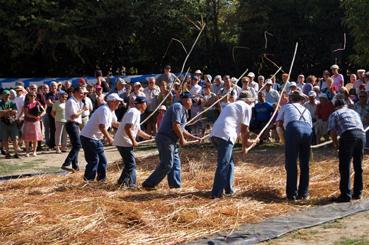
(347, 124)
(125, 141)
(297, 125)
(92, 134)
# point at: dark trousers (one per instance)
(351, 146)
(128, 176)
(95, 158)
(298, 141)
(51, 143)
(72, 129)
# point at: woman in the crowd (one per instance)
(33, 112)
(58, 113)
(164, 90)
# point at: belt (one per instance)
(73, 122)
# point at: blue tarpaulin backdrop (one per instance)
(11, 82)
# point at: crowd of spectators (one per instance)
(33, 119)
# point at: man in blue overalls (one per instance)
(297, 125)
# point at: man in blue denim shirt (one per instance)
(170, 132)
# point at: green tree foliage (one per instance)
(63, 37)
(315, 24)
(357, 20)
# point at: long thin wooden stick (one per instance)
(183, 66)
(216, 102)
(279, 69)
(165, 97)
(329, 142)
(279, 101)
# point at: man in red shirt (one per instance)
(323, 110)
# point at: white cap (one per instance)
(113, 97)
(122, 81)
(335, 66)
(163, 108)
(293, 84)
(137, 84)
(261, 77)
(234, 80)
(269, 81)
(361, 71)
(198, 72)
(312, 94)
(251, 74)
(218, 77)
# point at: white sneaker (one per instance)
(34, 154)
(27, 154)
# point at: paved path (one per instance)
(50, 162)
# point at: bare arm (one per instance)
(245, 138)
(333, 135)
(179, 132)
(105, 133)
(53, 113)
(127, 129)
(144, 135)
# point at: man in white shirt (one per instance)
(151, 92)
(196, 88)
(73, 113)
(232, 121)
(125, 141)
(86, 114)
(271, 95)
(92, 134)
(19, 101)
(217, 84)
(253, 84)
(295, 120)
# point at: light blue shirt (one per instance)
(344, 119)
(272, 96)
(294, 112)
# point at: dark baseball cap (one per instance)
(186, 95)
(140, 100)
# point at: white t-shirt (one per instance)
(195, 90)
(228, 124)
(19, 101)
(132, 116)
(72, 106)
(90, 107)
(103, 115)
(294, 112)
(254, 85)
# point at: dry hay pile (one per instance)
(67, 210)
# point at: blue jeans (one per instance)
(224, 174)
(128, 176)
(73, 132)
(170, 164)
(298, 141)
(95, 158)
(351, 146)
